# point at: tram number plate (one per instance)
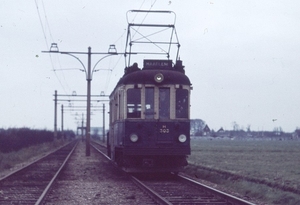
(164, 130)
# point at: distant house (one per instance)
(223, 133)
(221, 130)
(206, 130)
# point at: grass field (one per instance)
(260, 169)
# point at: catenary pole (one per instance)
(112, 51)
(55, 114)
(88, 117)
(103, 131)
(82, 128)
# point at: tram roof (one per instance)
(147, 76)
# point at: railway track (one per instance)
(178, 189)
(101, 148)
(30, 184)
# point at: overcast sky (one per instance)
(242, 58)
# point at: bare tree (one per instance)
(235, 126)
(248, 128)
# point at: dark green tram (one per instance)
(150, 118)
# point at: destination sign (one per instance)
(157, 64)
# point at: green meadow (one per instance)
(265, 170)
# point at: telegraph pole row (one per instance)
(77, 108)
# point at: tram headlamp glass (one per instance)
(134, 138)
(159, 77)
(182, 138)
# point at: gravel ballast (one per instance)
(94, 180)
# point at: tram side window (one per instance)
(182, 103)
(149, 103)
(134, 103)
(164, 103)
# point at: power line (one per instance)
(143, 18)
(47, 23)
(110, 74)
(41, 22)
(46, 41)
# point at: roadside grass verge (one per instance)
(13, 160)
(264, 170)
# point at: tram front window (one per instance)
(182, 105)
(164, 103)
(134, 103)
(149, 103)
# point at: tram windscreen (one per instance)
(134, 103)
(149, 103)
(182, 105)
(164, 103)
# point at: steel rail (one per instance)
(229, 198)
(155, 196)
(23, 185)
(98, 150)
(43, 195)
(33, 162)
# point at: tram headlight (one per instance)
(159, 77)
(134, 138)
(182, 138)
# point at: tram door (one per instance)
(164, 103)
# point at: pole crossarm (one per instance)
(82, 109)
(84, 106)
(70, 54)
(88, 76)
(83, 95)
(82, 100)
(101, 60)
